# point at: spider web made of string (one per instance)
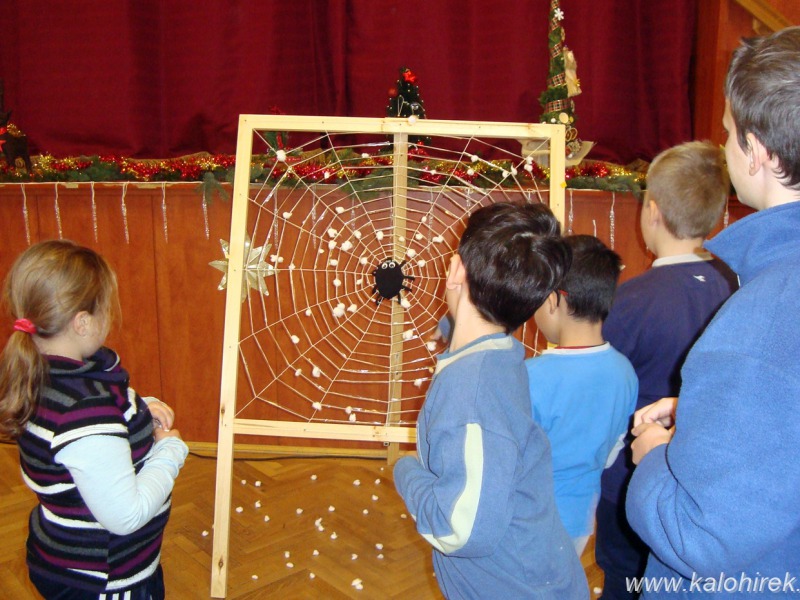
(315, 346)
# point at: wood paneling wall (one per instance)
(160, 241)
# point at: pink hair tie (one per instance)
(25, 326)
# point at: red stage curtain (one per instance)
(145, 78)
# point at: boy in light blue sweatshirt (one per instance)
(481, 486)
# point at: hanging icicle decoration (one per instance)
(571, 217)
(58, 213)
(726, 215)
(205, 215)
(164, 209)
(94, 213)
(611, 219)
(25, 215)
(124, 208)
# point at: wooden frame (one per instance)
(400, 130)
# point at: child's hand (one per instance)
(661, 412)
(163, 415)
(649, 436)
(160, 434)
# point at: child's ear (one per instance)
(457, 275)
(653, 212)
(80, 323)
(551, 302)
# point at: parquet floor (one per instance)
(274, 536)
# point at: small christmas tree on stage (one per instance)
(562, 86)
(404, 101)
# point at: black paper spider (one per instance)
(389, 280)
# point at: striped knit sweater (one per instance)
(65, 542)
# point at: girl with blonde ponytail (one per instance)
(101, 459)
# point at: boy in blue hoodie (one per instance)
(481, 486)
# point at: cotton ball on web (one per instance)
(332, 233)
(316, 405)
(411, 253)
(438, 239)
(295, 339)
(357, 234)
(418, 382)
(333, 262)
(281, 155)
(405, 303)
(287, 215)
(431, 346)
(408, 334)
(337, 283)
(363, 260)
(347, 245)
(339, 310)
(352, 308)
(331, 245)
(316, 372)
(379, 235)
(339, 210)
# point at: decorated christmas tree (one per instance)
(404, 101)
(562, 86)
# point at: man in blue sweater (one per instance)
(716, 497)
(481, 487)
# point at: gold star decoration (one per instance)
(256, 268)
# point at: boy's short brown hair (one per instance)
(689, 183)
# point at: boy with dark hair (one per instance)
(657, 316)
(583, 391)
(481, 489)
(715, 496)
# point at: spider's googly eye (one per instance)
(392, 264)
(384, 266)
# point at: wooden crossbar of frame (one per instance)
(391, 434)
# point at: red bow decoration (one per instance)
(409, 77)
